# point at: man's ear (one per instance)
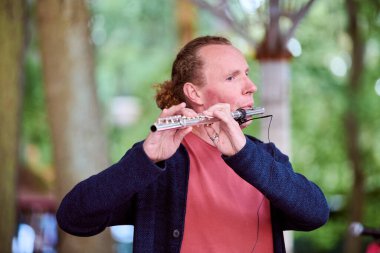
(192, 93)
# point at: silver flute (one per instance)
(179, 121)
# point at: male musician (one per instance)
(206, 188)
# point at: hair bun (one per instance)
(165, 96)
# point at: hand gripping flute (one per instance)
(179, 121)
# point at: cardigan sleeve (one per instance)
(107, 198)
(299, 203)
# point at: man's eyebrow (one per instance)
(232, 73)
(236, 72)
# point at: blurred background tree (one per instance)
(337, 143)
(77, 134)
(12, 25)
(134, 44)
(358, 36)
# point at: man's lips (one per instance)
(247, 106)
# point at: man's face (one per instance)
(225, 72)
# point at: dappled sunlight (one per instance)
(377, 87)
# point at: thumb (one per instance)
(181, 133)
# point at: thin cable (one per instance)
(270, 122)
(258, 224)
(261, 203)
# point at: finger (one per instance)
(221, 107)
(167, 113)
(173, 110)
(181, 133)
(188, 112)
(223, 115)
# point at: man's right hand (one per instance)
(161, 145)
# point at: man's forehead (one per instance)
(221, 55)
(218, 50)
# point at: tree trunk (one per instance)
(12, 33)
(275, 99)
(274, 93)
(353, 244)
(79, 142)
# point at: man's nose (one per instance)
(250, 87)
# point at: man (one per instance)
(204, 188)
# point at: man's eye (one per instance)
(230, 78)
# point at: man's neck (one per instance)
(200, 131)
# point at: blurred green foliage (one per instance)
(135, 43)
(318, 103)
(34, 130)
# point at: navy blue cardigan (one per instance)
(152, 197)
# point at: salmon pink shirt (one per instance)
(224, 213)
